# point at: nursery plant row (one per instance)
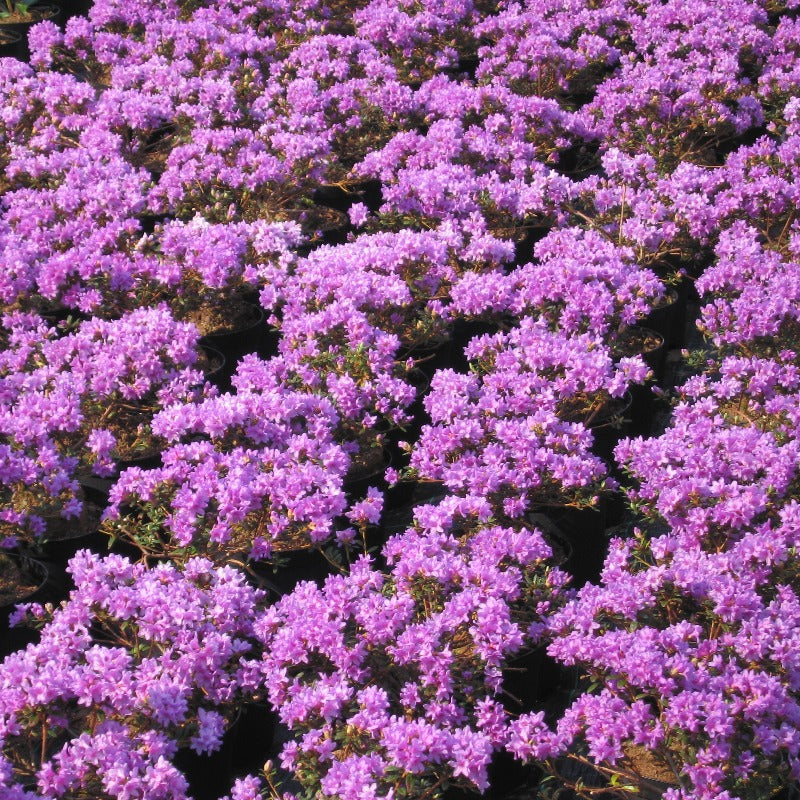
(333, 397)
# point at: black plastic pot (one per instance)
(214, 365)
(81, 535)
(253, 738)
(147, 461)
(210, 776)
(9, 43)
(75, 8)
(669, 318)
(584, 529)
(296, 565)
(608, 429)
(256, 336)
(361, 477)
(655, 352)
(39, 13)
(17, 637)
(343, 198)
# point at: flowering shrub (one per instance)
(420, 38)
(400, 281)
(662, 218)
(681, 91)
(200, 268)
(746, 310)
(338, 353)
(137, 663)
(583, 283)
(708, 480)
(77, 403)
(489, 179)
(515, 430)
(392, 680)
(265, 473)
(342, 93)
(66, 236)
(549, 49)
(693, 654)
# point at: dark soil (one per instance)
(19, 578)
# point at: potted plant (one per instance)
(394, 678)
(16, 19)
(690, 687)
(77, 404)
(149, 661)
(245, 476)
(14, 12)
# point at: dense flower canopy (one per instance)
(449, 226)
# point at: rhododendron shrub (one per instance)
(67, 234)
(515, 430)
(77, 403)
(728, 460)
(336, 352)
(244, 474)
(393, 679)
(778, 80)
(420, 38)
(135, 664)
(665, 219)
(343, 93)
(751, 293)
(552, 49)
(400, 281)
(43, 110)
(694, 656)
(201, 268)
(682, 91)
(442, 174)
(582, 283)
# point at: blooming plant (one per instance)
(135, 664)
(202, 269)
(719, 467)
(746, 312)
(78, 403)
(584, 283)
(391, 681)
(265, 475)
(693, 657)
(552, 49)
(66, 242)
(515, 430)
(679, 95)
(338, 353)
(400, 281)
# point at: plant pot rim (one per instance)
(219, 336)
(39, 13)
(37, 571)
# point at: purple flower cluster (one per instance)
(516, 430)
(241, 474)
(137, 663)
(76, 403)
(392, 680)
(694, 652)
(544, 170)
